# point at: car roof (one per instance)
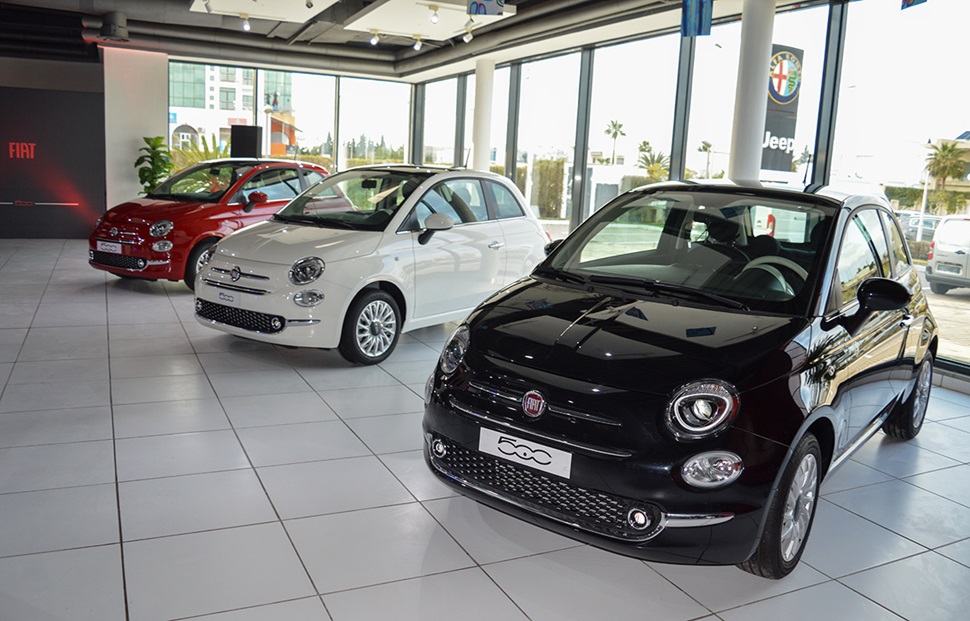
(256, 161)
(429, 170)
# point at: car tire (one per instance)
(192, 263)
(905, 423)
(936, 287)
(371, 329)
(790, 514)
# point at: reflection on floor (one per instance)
(151, 468)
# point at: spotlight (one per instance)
(208, 7)
(434, 14)
(309, 4)
(374, 37)
(417, 43)
(245, 25)
(469, 24)
(468, 37)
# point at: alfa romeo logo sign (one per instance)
(785, 77)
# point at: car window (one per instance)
(455, 199)
(206, 182)
(873, 229)
(311, 177)
(899, 256)
(857, 261)
(953, 233)
(469, 193)
(782, 224)
(506, 205)
(278, 184)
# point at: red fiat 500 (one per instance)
(164, 234)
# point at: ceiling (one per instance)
(332, 36)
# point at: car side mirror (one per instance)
(876, 294)
(434, 222)
(254, 199)
(551, 246)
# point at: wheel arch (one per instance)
(392, 290)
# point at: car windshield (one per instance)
(354, 199)
(723, 248)
(207, 182)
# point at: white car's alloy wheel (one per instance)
(376, 328)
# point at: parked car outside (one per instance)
(164, 234)
(680, 397)
(911, 226)
(947, 266)
(410, 247)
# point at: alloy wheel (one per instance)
(798, 507)
(376, 327)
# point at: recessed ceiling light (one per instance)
(374, 37)
(417, 43)
(245, 24)
(434, 14)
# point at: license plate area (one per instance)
(228, 298)
(525, 452)
(109, 247)
(948, 268)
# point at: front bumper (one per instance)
(135, 259)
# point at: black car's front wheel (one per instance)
(906, 422)
(371, 328)
(790, 514)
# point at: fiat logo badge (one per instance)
(235, 274)
(533, 404)
(113, 231)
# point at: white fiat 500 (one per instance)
(367, 254)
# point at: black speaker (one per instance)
(245, 140)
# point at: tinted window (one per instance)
(506, 205)
(900, 258)
(311, 176)
(873, 229)
(856, 261)
(278, 184)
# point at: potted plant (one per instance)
(155, 164)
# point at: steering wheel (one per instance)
(766, 262)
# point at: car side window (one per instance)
(900, 258)
(506, 205)
(857, 262)
(468, 192)
(277, 184)
(460, 199)
(874, 231)
(311, 177)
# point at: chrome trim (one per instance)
(553, 409)
(156, 262)
(220, 323)
(691, 520)
(222, 285)
(582, 446)
(241, 273)
(867, 433)
(302, 322)
(512, 500)
(115, 241)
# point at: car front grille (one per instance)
(590, 510)
(118, 260)
(239, 318)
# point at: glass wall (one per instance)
(440, 100)
(631, 117)
(547, 135)
(902, 106)
(374, 121)
(296, 112)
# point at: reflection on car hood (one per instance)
(148, 210)
(283, 243)
(650, 346)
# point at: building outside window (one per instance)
(439, 122)
(227, 99)
(227, 74)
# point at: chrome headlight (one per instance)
(306, 270)
(161, 228)
(701, 409)
(713, 469)
(454, 351)
(100, 220)
(207, 254)
(308, 298)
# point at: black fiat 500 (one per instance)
(679, 375)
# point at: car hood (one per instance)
(652, 346)
(283, 243)
(148, 210)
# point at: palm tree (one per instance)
(945, 163)
(614, 130)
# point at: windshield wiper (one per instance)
(303, 220)
(664, 287)
(558, 273)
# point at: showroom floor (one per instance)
(152, 468)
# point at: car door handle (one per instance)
(496, 245)
(959, 252)
(907, 321)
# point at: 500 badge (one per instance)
(525, 452)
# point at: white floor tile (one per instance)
(279, 409)
(54, 396)
(290, 444)
(467, 594)
(241, 361)
(54, 426)
(187, 453)
(944, 440)
(151, 346)
(65, 343)
(324, 379)
(959, 552)
(586, 583)
(403, 542)
(825, 601)
(44, 371)
(410, 372)
(953, 484)
(34, 521)
(276, 381)
(900, 459)
(185, 504)
(75, 585)
(155, 366)
(56, 465)
(149, 389)
(354, 403)
(10, 343)
(321, 487)
(850, 475)
(927, 587)
(307, 609)
(166, 417)
(390, 434)
(411, 469)
(70, 314)
(204, 573)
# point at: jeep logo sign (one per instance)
(784, 85)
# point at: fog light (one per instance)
(276, 323)
(91, 254)
(308, 298)
(638, 519)
(198, 305)
(439, 449)
(162, 246)
(141, 264)
(713, 469)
